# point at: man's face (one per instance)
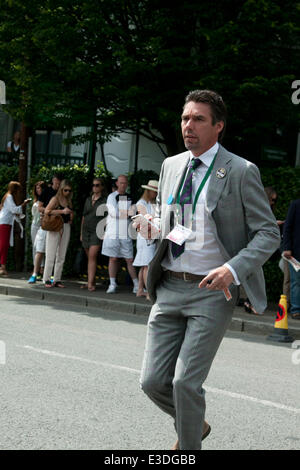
(198, 132)
(55, 183)
(122, 184)
(273, 200)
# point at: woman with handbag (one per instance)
(88, 236)
(35, 221)
(9, 213)
(59, 217)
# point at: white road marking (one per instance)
(218, 391)
(253, 399)
(81, 359)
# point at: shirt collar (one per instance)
(208, 156)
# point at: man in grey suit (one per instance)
(229, 233)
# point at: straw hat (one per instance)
(152, 185)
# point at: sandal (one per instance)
(253, 310)
(59, 284)
(48, 284)
(141, 294)
(247, 307)
(92, 288)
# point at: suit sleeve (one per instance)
(263, 232)
(157, 214)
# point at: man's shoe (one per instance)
(111, 289)
(135, 289)
(32, 280)
(206, 432)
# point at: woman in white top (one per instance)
(36, 215)
(145, 252)
(9, 213)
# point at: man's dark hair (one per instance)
(216, 103)
(58, 176)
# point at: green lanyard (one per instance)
(201, 186)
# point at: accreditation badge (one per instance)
(179, 234)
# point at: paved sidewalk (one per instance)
(125, 301)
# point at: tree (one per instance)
(127, 64)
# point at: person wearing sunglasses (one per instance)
(40, 238)
(88, 236)
(57, 242)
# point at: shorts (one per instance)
(115, 248)
(40, 241)
(90, 239)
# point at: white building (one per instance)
(119, 153)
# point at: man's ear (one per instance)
(220, 126)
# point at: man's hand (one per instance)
(287, 254)
(143, 225)
(217, 279)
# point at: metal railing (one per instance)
(42, 159)
(6, 158)
(57, 160)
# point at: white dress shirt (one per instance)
(202, 253)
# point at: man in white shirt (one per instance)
(216, 231)
(117, 243)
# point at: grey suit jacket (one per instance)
(244, 225)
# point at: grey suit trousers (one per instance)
(185, 328)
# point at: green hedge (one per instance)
(285, 180)
(7, 174)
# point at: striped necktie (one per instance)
(185, 198)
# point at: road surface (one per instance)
(70, 380)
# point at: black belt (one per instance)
(187, 277)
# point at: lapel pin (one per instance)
(221, 172)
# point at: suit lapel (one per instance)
(218, 178)
(179, 175)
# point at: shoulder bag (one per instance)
(52, 223)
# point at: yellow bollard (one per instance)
(280, 332)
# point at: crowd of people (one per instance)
(49, 247)
(50, 243)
